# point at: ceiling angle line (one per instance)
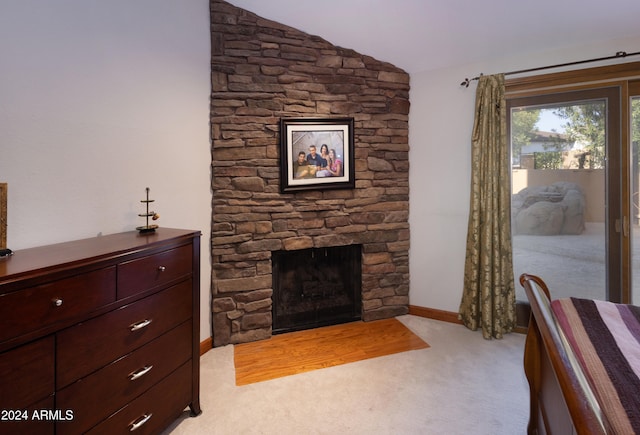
(618, 55)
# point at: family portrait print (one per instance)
(316, 154)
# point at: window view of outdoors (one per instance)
(558, 197)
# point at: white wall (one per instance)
(440, 126)
(98, 100)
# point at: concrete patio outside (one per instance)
(571, 265)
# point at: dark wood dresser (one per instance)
(100, 335)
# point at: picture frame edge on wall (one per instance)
(3, 215)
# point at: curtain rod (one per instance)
(619, 54)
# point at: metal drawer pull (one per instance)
(142, 420)
(57, 302)
(139, 373)
(162, 268)
(140, 325)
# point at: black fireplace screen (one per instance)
(316, 287)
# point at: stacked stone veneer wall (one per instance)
(263, 71)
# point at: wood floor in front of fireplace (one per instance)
(303, 351)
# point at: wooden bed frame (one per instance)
(562, 402)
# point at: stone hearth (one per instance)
(263, 71)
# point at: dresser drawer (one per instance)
(102, 393)
(26, 374)
(37, 307)
(139, 275)
(103, 339)
(155, 409)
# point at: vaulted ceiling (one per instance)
(421, 35)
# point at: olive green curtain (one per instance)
(488, 299)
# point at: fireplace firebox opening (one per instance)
(316, 287)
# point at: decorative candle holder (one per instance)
(149, 214)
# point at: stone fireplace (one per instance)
(316, 287)
(263, 71)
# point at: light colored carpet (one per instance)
(319, 348)
(462, 384)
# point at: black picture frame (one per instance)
(3, 215)
(319, 172)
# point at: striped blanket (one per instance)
(605, 338)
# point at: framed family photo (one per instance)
(316, 153)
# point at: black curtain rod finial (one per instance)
(466, 82)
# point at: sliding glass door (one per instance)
(634, 200)
(566, 184)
